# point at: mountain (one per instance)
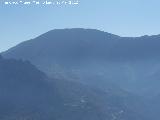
(26, 93)
(23, 90)
(131, 63)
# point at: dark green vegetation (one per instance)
(118, 75)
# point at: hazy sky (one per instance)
(121, 17)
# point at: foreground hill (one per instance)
(96, 58)
(28, 94)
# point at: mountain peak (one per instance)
(76, 31)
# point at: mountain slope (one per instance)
(27, 93)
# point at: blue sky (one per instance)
(121, 17)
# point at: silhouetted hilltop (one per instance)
(73, 43)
